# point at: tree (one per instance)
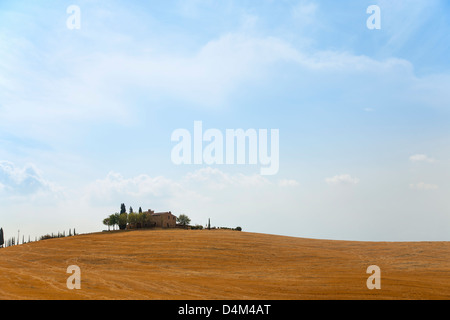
(122, 221)
(2, 240)
(107, 222)
(132, 218)
(140, 210)
(141, 219)
(114, 220)
(131, 209)
(123, 209)
(183, 220)
(147, 218)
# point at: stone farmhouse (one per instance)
(157, 220)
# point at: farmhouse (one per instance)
(154, 219)
(162, 219)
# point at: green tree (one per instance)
(123, 209)
(132, 218)
(141, 219)
(114, 220)
(147, 219)
(131, 209)
(183, 220)
(2, 239)
(140, 210)
(107, 222)
(122, 221)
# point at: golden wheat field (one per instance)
(222, 264)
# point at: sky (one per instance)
(89, 104)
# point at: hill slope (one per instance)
(183, 264)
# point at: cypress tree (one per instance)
(2, 240)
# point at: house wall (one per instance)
(165, 220)
(157, 220)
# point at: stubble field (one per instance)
(222, 264)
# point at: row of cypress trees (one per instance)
(13, 241)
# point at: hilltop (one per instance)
(221, 264)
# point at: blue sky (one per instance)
(86, 115)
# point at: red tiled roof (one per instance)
(160, 213)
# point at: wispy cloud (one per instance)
(28, 181)
(421, 158)
(194, 184)
(423, 186)
(343, 179)
(288, 183)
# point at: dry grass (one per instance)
(183, 264)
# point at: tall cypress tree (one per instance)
(2, 240)
(123, 209)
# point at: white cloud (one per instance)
(217, 179)
(115, 186)
(199, 185)
(343, 179)
(421, 158)
(91, 86)
(423, 186)
(288, 183)
(17, 183)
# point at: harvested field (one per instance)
(222, 264)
